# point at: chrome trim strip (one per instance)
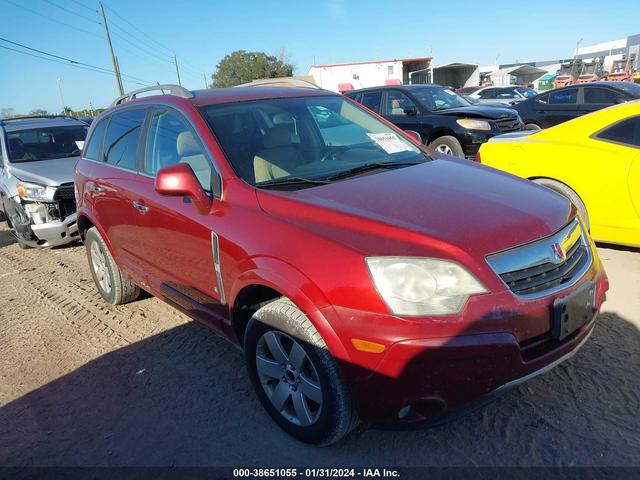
(540, 252)
(215, 248)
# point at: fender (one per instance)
(83, 212)
(293, 284)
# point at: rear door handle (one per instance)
(92, 187)
(141, 207)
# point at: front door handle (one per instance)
(141, 207)
(92, 187)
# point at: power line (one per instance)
(73, 27)
(84, 6)
(67, 64)
(138, 29)
(68, 60)
(92, 20)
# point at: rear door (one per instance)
(112, 179)
(557, 106)
(597, 98)
(178, 244)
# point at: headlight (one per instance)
(471, 124)
(32, 191)
(422, 286)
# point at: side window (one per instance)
(507, 93)
(488, 93)
(121, 140)
(397, 102)
(626, 132)
(543, 99)
(601, 95)
(372, 100)
(93, 149)
(171, 141)
(569, 96)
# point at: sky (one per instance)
(146, 33)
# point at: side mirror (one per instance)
(179, 181)
(411, 111)
(415, 136)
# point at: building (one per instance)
(342, 77)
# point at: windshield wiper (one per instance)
(293, 181)
(370, 166)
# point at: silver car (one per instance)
(37, 163)
(508, 95)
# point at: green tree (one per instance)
(39, 111)
(242, 67)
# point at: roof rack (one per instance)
(32, 117)
(176, 90)
(281, 82)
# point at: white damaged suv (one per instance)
(37, 164)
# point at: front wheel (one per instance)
(295, 376)
(111, 283)
(532, 126)
(449, 145)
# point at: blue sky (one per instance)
(201, 32)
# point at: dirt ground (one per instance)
(82, 383)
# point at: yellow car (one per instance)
(592, 160)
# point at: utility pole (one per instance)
(114, 61)
(204, 77)
(175, 60)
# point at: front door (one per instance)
(178, 243)
(557, 107)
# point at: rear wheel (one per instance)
(569, 194)
(449, 145)
(295, 376)
(110, 281)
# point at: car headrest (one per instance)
(16, 147)
(187, 145)
(277, 137)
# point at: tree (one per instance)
(7, 112)
(39, 111)
(243, 67)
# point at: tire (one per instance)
(532, 126)
(448, 145)
(111, 284)
(23, 246)
(569, 194)
(328, 413)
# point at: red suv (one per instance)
(363, 277)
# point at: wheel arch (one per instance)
(86, 221)
(273, 279)
(441, 132)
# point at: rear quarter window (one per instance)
(93, 149)
(625, 132)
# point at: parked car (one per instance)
(37, 161)
(594, 161)
(363, 280)
(446, 121)
(509, 95)
(464, 91)
(562, 104)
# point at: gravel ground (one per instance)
(82, 383)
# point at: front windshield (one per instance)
(308, 140)
(45, 143)
(527, 92)
(437, 98)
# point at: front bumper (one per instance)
(433, 367)
(56, 232)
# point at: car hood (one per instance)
(51, 172)
(478, 111)
(442, 203)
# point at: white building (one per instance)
(342, 77)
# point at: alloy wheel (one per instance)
(446, 149)
(289, 378)
(99, 264)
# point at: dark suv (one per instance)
(362, 277)
(445, 120)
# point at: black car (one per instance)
(562, 104)
(446, 121)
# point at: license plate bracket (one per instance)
(573, 311)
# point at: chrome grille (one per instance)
(65, 196)
(508, 124)
(545, 266)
